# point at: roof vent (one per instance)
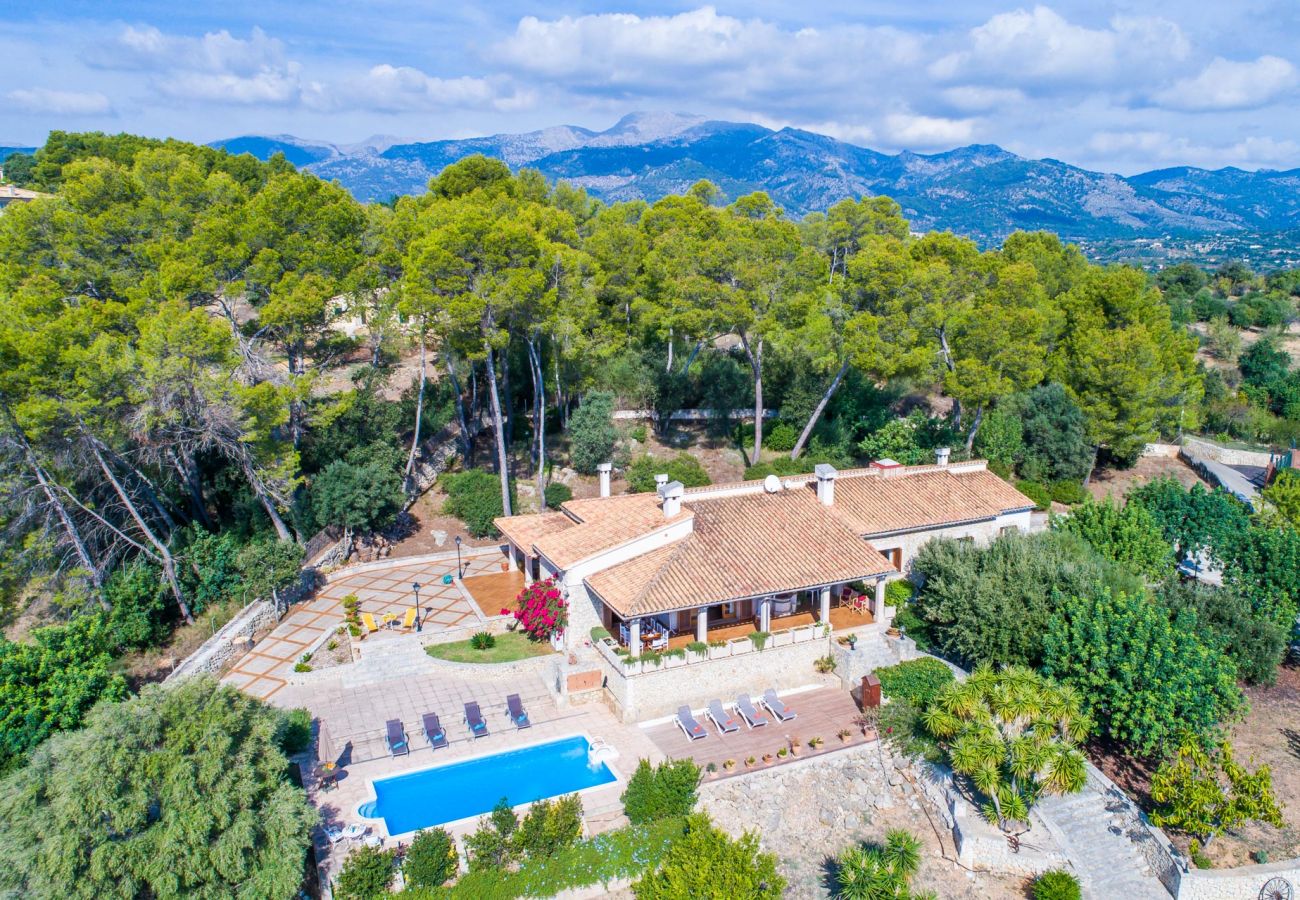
(671, 494)
(941, 456)
(772, 484)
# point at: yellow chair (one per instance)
(408, 620)
(368, 620)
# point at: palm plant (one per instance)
(1015, 734)
(881, 872)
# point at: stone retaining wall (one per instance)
(233, 640)
(1229, 456)
(1232, 884)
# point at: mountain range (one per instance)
(980, 190)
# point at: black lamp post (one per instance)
(415, 586)
(460, 570)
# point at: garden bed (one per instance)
(509, 647)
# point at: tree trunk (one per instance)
(188, 471)
(1092, 465)
(948, 363)
(419, 414)
(65, 517)
(259, 488)
(164, 554)
(508, 405)
(503, 466)
(699, 345)
(756, 363)
(539, 421)
(466, 439)
(817, 413)
(669, 367)
(974, 427)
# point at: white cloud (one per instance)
(1156, 147)
(927, 132)
(1224, 84)
(1040, 45)
(63, 103)
(971, 98)
(403, 88)
(149, 49)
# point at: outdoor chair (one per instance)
(408, 620)
(752, 716)
(693, 730)
(434, 731)
(474, 719)
(774, 705)
(515, 709)
(368, 620)
(725, 722)
(395, 738)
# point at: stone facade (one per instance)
(982, 533)
(233, 640)
(1232, 884)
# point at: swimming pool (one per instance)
(470, 788)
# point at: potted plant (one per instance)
(853, 641)
(712, 769)
(782, 753)
(505, 566)
(749, 762)
(794, 746)
(729, 765)
(844, 734)
(767, 759)
(815, 743)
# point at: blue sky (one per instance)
(1121, 86)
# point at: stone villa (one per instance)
(689, 583)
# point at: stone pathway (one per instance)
(381, 588)
(1099, 831)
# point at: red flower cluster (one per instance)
(540, 610)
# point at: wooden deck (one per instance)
(821, 713)
(841, 618)
(495, 592)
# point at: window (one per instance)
(895, 557)
(1008, 529)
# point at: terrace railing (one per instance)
(686, 656)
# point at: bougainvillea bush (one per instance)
(540, 610)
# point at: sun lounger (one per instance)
(726, 722)
(515, 709)
(408, 620)
(368, 620)
(774, 705)
(434, 731)
(474, 719)
(752, 716)
(693, 730)
(395, 738)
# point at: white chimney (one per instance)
(941, 456)
(660, 481)
(603, 469)
(671, 494)
(825, 473)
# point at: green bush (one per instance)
(917, 680)
(474, 497)
(492, 845)
(1036, 492)
(366, 875)
(706, 862)
(1070, 493)
(638, 433)
(592, 434)
(759, 639)
(683, 467)
(901, 726)
(598, 634)
(293, 734)
(140, 613)
(698, 647)
(781, 437)
(430, 860)
(1128, 535)
(362, 497)
(1000, 440)
(661, 792)
(1057, 884)
(482, 640)
(556, 493)
(898, 592)
(549, 827)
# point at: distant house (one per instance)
(793, 558)
(10, 194)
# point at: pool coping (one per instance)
(380, 823)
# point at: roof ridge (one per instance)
(676, 548)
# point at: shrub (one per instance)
(1057, 884)
(556, 493)
(869, 871)
(482, 640)
(1036, 492)
(492, 845)
(898, 592)
(916, 680)
(356, 497)
(598, 634)
(1000, 439)
(302, 667)
(655, 793)
(1054, 435)
(683, 467)
(1128, 535)
(549, 827)
(705, 862)
(293, 734)
(1068, 492)
(759, 639)
(592, 434)
(901, 726)
(781, 437)
(367, 873)
(698, 647)
(474, 497)
(430, 860)
(139, 613)
(1204, 794)
(638, 433)
(824, 664)
(1225, 618)
(540, 610)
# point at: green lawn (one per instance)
(509, 647)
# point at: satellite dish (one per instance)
(771, 484)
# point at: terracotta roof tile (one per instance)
(879, 504)
(603, 523)
(524, 531)
(742, 546)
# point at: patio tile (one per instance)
(257, 664)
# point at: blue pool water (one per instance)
(471, 788)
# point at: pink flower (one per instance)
(505, 612)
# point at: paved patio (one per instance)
(381, 588)
(821, 712)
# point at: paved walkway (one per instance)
(381, 588)
(1098, 830)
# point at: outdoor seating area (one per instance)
(798, 716)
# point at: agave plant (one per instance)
(1015, 734)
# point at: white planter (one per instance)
(720, 652)
(740, 645)
(780, 639)
(672, 662)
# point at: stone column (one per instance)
(826, 605)
(878, 605)
(528, 568)
(765, 614)
(702, 625)
(634, 638)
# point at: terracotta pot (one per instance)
(505, 567)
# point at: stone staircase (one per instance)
(1100, 831)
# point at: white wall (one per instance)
(982, 533)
